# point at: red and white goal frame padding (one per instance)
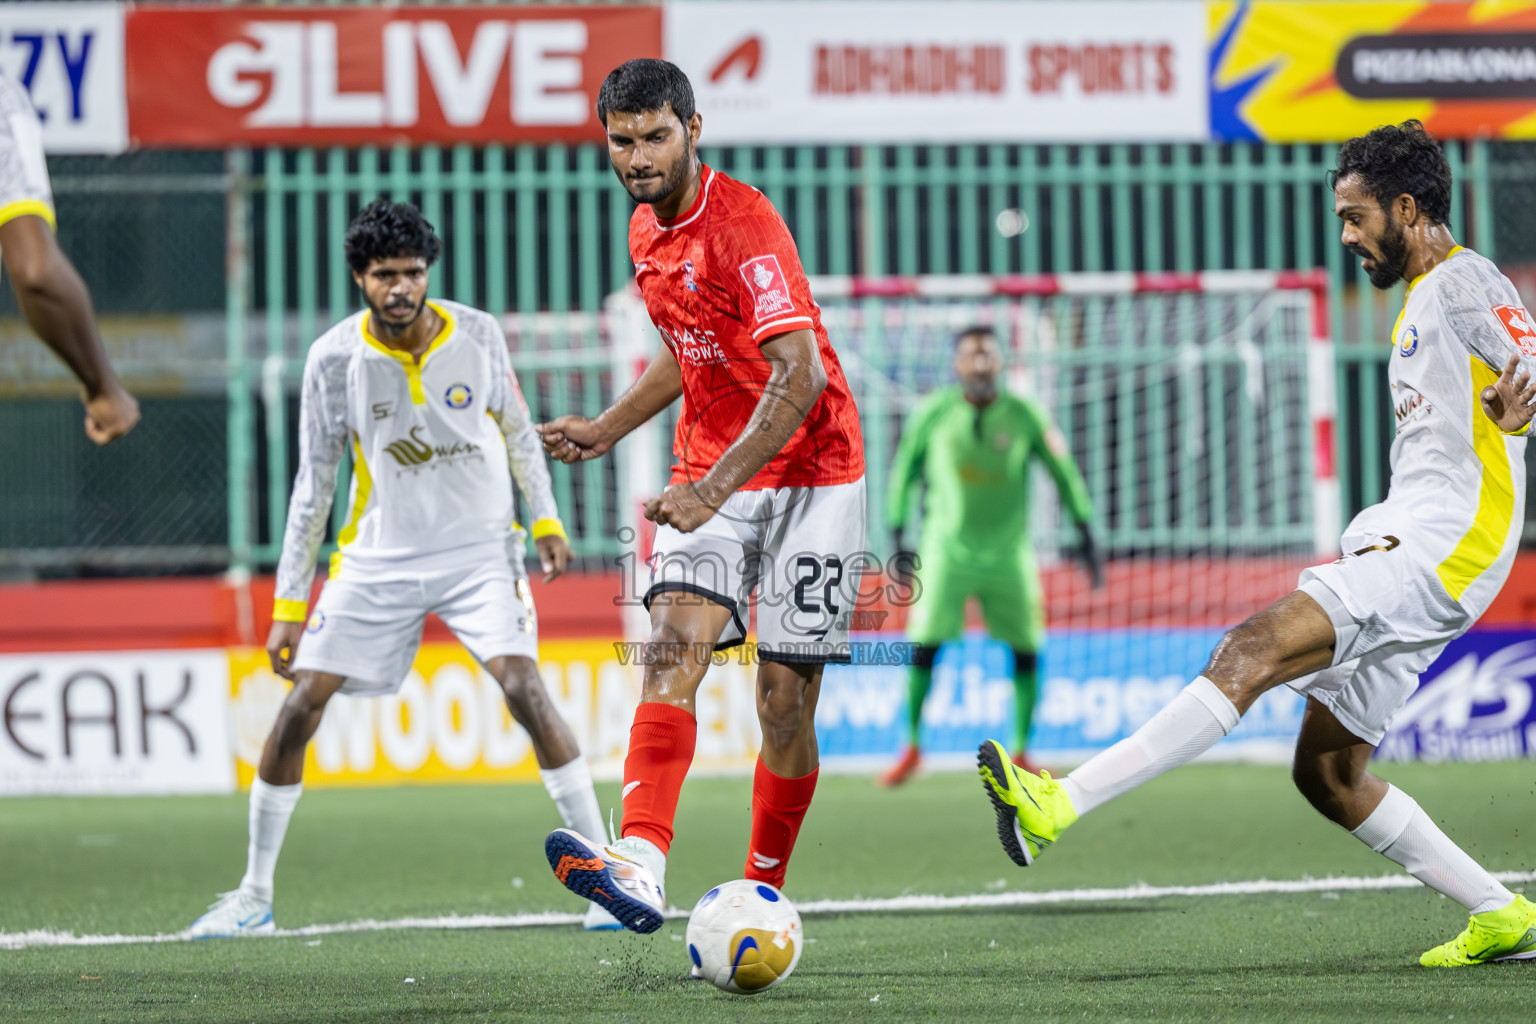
(634, 341)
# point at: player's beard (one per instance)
(670, 182)
(979, 390)
(392, 326)
(1391, 265)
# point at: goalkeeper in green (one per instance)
(974, 445)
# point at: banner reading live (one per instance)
(315, 76)
(897, 72)
(1321, 72)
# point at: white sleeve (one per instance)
(1491, 333)
(24, 187)
(322, 442)
(525, 450)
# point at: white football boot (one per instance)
(623, 878)
(234, 914)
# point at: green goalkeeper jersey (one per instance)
(976, 464)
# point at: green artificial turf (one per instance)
(96, 866)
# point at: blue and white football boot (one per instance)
(623, 877)
(233, 915)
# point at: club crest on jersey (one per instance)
(1408, 340)
(688, 276)
(458, 396)
(1517, 322)
(770, 291)
(316, 622)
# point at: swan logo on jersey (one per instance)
(1518, 323)
(458, 396)
(1408, 341)
(770, 292)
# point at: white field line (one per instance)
(893, 904)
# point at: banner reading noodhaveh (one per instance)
(371, 75)
(120, 722)
(69, 58)
(1319, 72)
(796, 70)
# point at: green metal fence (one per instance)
(532, 229)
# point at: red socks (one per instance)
(661, 744)
(778, 808)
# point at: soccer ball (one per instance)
(744, 936)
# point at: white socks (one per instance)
(1188, 727)
(271, 807)
(570, 787)
(1399, 830)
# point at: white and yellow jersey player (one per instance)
(423, 395)
(1416, 572)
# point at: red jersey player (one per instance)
(767, 493)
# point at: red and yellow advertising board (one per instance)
(448, 722)
(1322, 72)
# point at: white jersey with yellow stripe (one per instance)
(24, 187)
(435, 446)
(1457, 494)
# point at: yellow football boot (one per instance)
(1032, 810)
(1505, 934)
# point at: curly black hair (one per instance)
(645, 84)
(1395, 159)
(384, 230)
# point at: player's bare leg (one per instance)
(1331, 770)
(787, 766)
(531, 708)
(628, 877)
(275, 792)
(282, 757)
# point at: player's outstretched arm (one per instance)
(577, 438)
(58, 306)
(796, 379)
(525, 458)
(1507, 401)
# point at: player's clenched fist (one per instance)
(572, 439)
(282, 642)
(1508, 400)
(679, 507)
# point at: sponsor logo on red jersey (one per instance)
(1518, 323)
(770, 292)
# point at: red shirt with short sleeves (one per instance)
(719, 280)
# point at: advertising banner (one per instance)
(448, 723)
(1097, 687)
(127, 722)
(69, 58)
(319, 76)
(1474, 704)
(1320, 72)
(901, 72)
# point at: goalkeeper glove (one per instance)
(1088, 551)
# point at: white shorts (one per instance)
(367, 625)
(800, 548)
(1391, 618)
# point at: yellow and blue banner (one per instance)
(1325, 72)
